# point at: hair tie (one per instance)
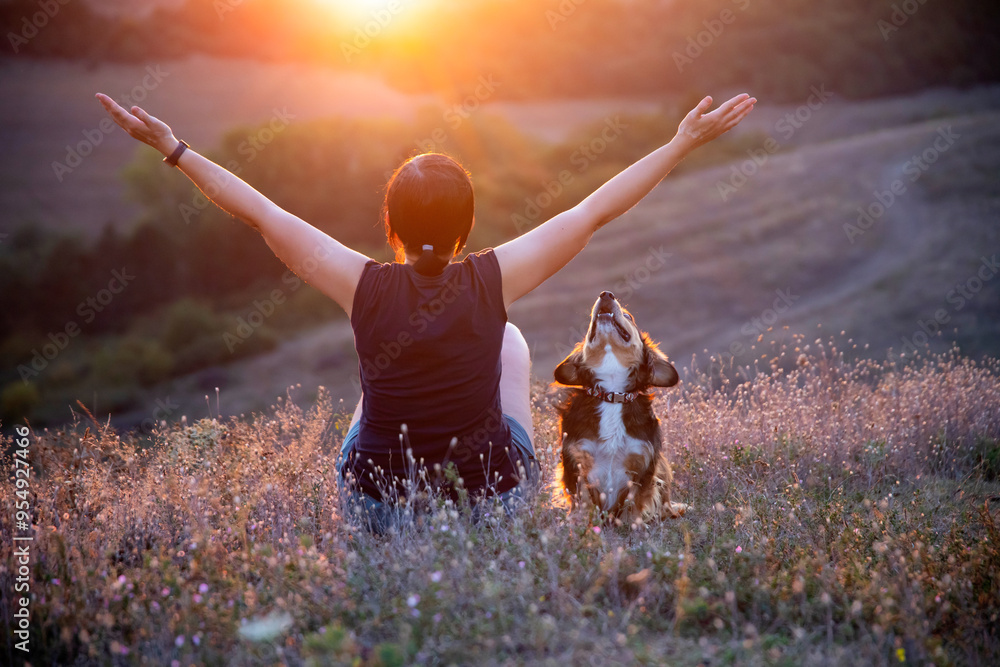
(429, 263)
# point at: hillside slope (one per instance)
(706, 269)
(784, 230)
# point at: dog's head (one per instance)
(615, 354)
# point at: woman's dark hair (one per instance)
(428, 202)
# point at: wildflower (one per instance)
(165, 592)
(413, 600)
(179, 641)
(56, 582)
(267, 628)
(597, 529)
(901, 655)
(739, 549)
(520, 564)
(197, 598)
(197, 640)
(203, 588)
(437, 617)
(436, 576)
(444, 528)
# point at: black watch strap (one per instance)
(176, 155)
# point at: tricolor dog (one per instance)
(612, 449)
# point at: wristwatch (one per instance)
(176, 155)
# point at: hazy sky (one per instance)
(133, 7)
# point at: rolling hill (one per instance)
(713, 259)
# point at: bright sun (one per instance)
(366, 10)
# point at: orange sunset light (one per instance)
(381, 13)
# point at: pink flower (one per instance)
(739, 550)
(597, 529)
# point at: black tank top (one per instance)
(429, 358)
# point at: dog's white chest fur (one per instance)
(614, 444)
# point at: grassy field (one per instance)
(843, 513)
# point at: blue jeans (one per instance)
(380, 516)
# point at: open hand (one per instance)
(140, 125)
(700, 127)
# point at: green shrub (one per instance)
(131, 361)
(187, 321)
(17, 401)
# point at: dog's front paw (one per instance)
(675, 510)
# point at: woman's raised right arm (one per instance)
(314, 256)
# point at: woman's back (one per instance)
(429, 356)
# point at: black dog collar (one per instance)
(612, 396)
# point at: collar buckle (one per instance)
(612, 396)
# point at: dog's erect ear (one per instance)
(569, 369)
(657, 370)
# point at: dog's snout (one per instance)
(607, 295)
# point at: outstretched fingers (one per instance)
(734, 110)
(139, 124)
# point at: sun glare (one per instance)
(381, 12)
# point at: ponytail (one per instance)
(429, 204)
(429, 263)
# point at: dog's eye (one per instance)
(630, 318)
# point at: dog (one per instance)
(612, 448)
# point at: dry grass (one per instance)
(844, 513)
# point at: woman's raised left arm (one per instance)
(530, 259)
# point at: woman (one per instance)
(444, 376)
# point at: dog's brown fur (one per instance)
(612, 454)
